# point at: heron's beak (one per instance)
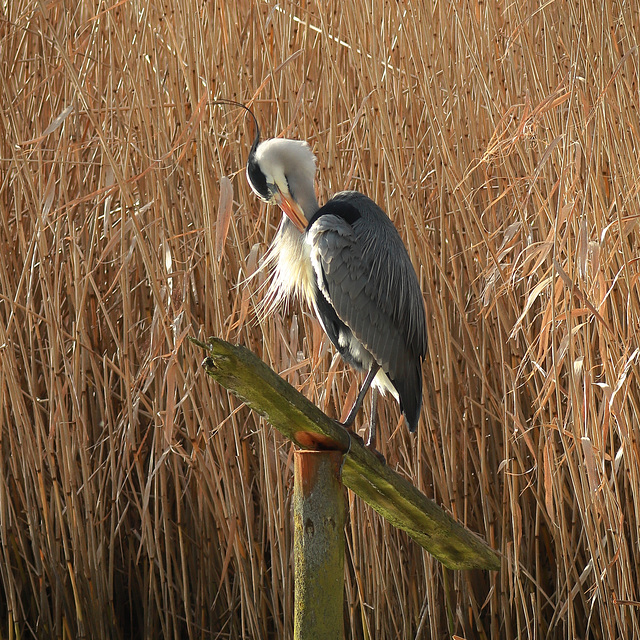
(292, 210)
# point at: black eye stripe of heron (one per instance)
(348, 262)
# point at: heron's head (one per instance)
(282, 172)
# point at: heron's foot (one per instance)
(367, 445)
(376, 453)
(352, 432)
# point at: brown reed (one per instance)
(139, 500)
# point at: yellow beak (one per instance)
(292, 210)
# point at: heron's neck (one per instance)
(293, 270)
(308, 202)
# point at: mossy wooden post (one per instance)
(391, 495)
(318, 545)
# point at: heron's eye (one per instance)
(272, 191)
(257, 179)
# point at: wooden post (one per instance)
(318, 543)
(391, 495)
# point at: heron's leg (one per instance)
(363, 390)
(371, 440)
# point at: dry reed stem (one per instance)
(136, 500)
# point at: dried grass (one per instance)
(137, 499)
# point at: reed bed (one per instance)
(140, 500)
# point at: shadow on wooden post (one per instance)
(391, 495)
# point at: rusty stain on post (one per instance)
(318, 543)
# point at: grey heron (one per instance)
(347, 260)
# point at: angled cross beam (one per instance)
(392, 496)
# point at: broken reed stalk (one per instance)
(392, 496)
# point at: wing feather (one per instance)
(363, 269)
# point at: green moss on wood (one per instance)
(392, 496)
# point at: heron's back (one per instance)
(364, 272)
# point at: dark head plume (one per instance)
(235, 103)
(255, 176)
